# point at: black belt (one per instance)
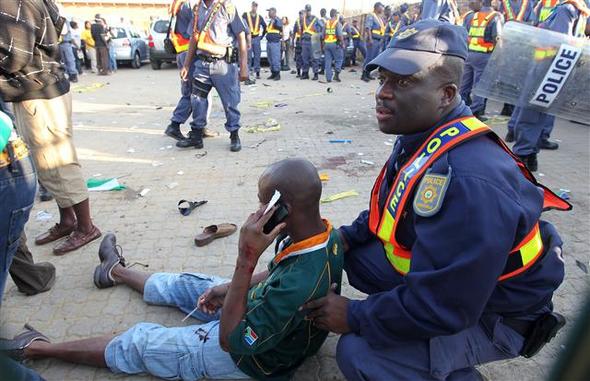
(523, 327)
(206, 58)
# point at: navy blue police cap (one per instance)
(418, 46)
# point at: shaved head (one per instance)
(297, 180)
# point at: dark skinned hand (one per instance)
(330, 312)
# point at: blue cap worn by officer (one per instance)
(452, 252)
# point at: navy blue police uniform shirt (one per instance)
(562, 20)
(184, 21)
(459, 253)
(277, 24)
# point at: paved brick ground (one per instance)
(129, 114)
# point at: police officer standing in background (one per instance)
(374, 31)
(358, 45)
(181, 13)
(440, 302)
(297, 33)
(274, 35)
(533, 128)
(333, 42)
(217, 26)
(257, 27)
(483, 30)
(311, 26)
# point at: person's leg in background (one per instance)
(69, 61)
(467, 80)
(102, 58)
(306, 56)
(528, 130)
(510, 136)
(50, 120)
(112, 58)
(338, 62)
(256, 51)
(77, 60)
(329, 57)
(30, 278)
(183, 108)
(224, 78)
(478, 104)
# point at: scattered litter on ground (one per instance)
(44, 215)
(266, 84)
(352, 71)
(87, 89)
(257, 144)
(103, 185)
(564, 193)
(158, 107)
(201, 155)
(157, 164)
(185, 207)
(144, 192)
(339, 196)
(279, 105)
(268, 126)
(582, 266)
(345, 141)
(367, 162)
(388, 143)
(329, 132)
(263, 104)
(172, 185)
(360, 154)
(330, 90)
(324, 177)
(180, 173)
(541, 174)
(97, 175)
(298, 112)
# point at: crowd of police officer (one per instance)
(320, 44)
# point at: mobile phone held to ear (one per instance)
(279, 215)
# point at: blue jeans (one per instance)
(68, 58)
(112, 58)
(18, 184)
(224, 78)
(180, 353)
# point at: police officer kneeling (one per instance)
(459, 268)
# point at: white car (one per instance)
(130, 46)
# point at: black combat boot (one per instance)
(173, 130)
(272, 75)
(548, 144)
(257, 75)
(194, 139)
(315, 77)
(530, 161)
(305, 75)
(235, 144)
(337, 77)
(277, 76)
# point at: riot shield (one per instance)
(539, 69)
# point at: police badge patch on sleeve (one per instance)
(431, 192)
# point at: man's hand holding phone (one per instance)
(253, 240)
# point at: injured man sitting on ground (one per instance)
(253, 325)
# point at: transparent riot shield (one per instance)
(539, 69)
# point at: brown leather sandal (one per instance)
(214, 232)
